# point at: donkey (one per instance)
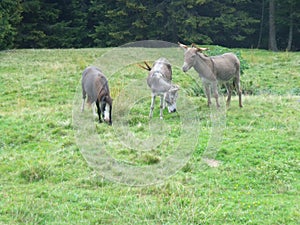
(95, 85)
(212, 69)
(159, 80)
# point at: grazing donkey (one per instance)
(159, 80)
(95, 85)
(212, 69)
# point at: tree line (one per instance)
(269, 24)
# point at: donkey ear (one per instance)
(202, 49)
(182, 46)
(143, 67)
(147, 67)
(199, 49)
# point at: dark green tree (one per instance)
(38, 17)
(191, 21)
(97, 25)
(70, 28)
(126, 22)
(287, 21)
(54, 24)
(90, 23)
(10, 17)
(232, 24)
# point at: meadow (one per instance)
(50, 173)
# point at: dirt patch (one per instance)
(212, 162)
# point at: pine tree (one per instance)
(10, 17)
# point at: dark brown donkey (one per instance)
(95, 85)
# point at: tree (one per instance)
(126, 22)
(287, 18)
(261, 23)
(70, 28)
(291, 26)
(97, 27)
(38, 16)
(223, 22)
(190, 21)
(54, 24)
(10, 17)
(90, 23)
(272, 27)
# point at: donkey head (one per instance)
(190, 55)
(171, 97)
(106, 109)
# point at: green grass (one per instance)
(45, 178)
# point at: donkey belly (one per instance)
(225, 76)
(90, 88)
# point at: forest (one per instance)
(265, 24)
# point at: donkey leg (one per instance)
(162, 99)
(83, 99)
(110, 120)
(229, 92)
(215, 92)
(82, 105)
(99, 111)
(207, 93)
(93, 105)
(239, 91)
(152, 106)
(102, 108)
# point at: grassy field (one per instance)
(48, 175)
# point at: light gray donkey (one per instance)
(95, 85)
(159, 80)
(212, 69)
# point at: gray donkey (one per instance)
(212, 69)
(159, 80)
(95, 85)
